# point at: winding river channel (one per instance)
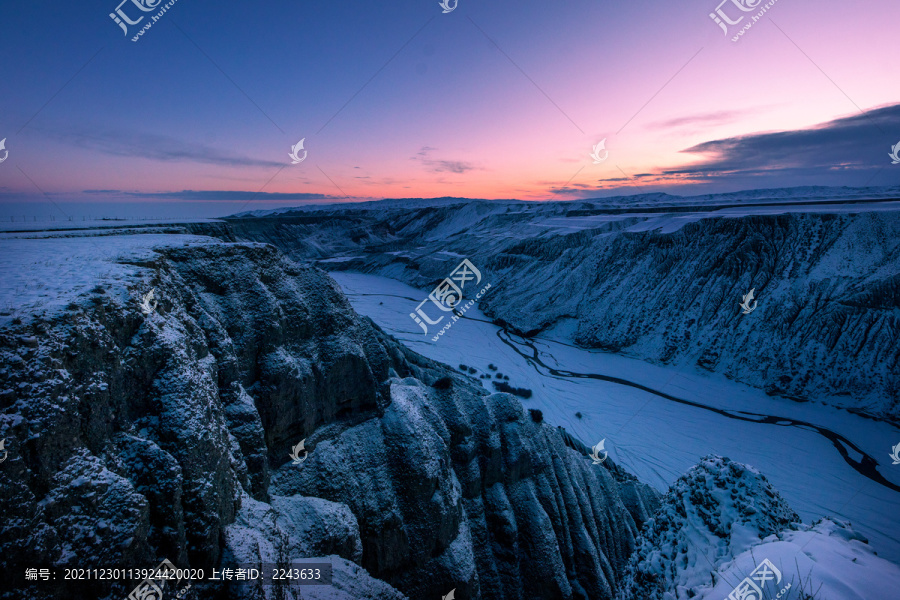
(865, 465)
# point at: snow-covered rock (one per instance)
(722, 520)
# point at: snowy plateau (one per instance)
(463, 463)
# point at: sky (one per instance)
(495, 100)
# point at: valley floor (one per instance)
(842, 469)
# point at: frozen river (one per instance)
(659, 421)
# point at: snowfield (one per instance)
(723, 530)
(826, 560)
(42, 273)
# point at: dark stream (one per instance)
(866, 465)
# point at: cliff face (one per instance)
(662, 288)
(136, 438)
(827, 320)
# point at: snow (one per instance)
(671, 222)
(655, 438)
(823, 560)
(339, 259)
(43, 275)
(91, 225)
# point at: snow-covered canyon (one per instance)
(622, 322)
(658, 283)
(135, 435)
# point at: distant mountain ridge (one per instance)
(804, 193)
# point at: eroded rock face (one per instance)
(136, 438)
(452, 486)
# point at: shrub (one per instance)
(444, 383)
(536, 415)
(463, 368)
(492, 367)
(502, 386)
(499, 375)
(579, 415)
(472, 370)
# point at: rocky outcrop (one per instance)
(658, 287)
(710, 513)
(136, 438)
(721, 521)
